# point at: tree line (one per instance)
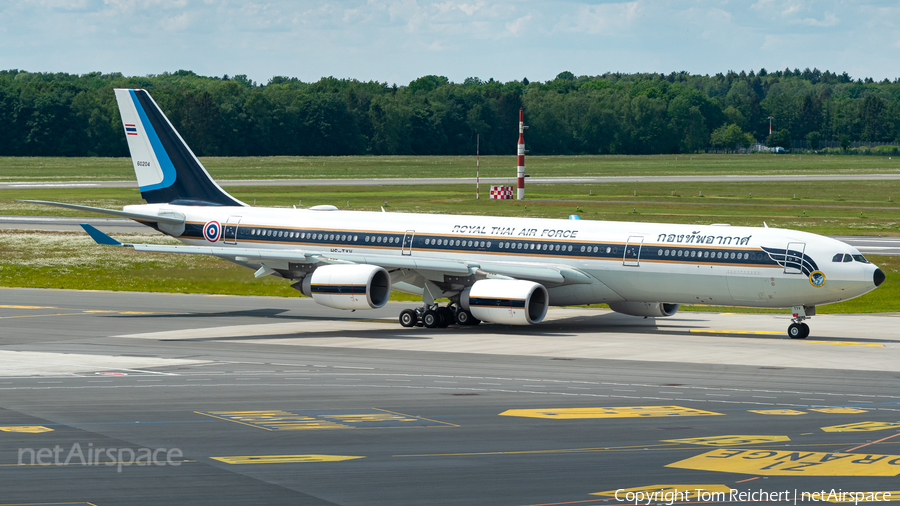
(58, 114)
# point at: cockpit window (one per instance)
(838, 258)
(848, 258)
(860, 258)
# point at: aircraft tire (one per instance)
(805, 328)
(795, 331)
(446, 317)
(408, 318)
(431, 319)
(464, 317)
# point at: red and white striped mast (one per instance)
(520, 170)
(477, 162)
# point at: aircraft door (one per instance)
(793, 257)
(632, 256)
(231, 229)
(406, 248)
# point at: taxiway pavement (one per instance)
(281, 401)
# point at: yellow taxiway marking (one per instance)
(616, 412)
(284, 459)
(30, 429)
(705, 331)
(274, 420)
(792, 463)
(848, 343)
(729, 440)
(664, 493)
(777, 411)
(862, 427)
(26, 307)
(839, 410)
(366, 418)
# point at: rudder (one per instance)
(167, 170)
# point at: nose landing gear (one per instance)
(798, 329)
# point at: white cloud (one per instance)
(601, 18)
(776, 8)
(176, 23)
(519, 25)
(829, 20)
(468, 9)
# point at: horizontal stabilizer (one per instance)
(121, 214)
(99, 237)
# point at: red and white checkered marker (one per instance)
(501, 192)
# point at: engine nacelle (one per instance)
(356, 286)
(511, 302)
(644, 308)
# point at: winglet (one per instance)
(99, 237)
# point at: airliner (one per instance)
(493, 269)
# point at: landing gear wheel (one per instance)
(408, 318)
(805, 333)
(795, 331)
(464, 317)
(431, 319)
(446, 317)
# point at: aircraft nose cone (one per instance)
(878, 277)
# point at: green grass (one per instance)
(15, 169)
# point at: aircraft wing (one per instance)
(543, 273)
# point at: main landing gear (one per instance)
(798, 329)
(435, 316)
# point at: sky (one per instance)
(397, 41)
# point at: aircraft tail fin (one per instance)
(167, 170)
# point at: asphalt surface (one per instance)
(261, 400)
(712, 178)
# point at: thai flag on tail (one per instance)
(130, 129)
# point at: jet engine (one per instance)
(644, 308)
(356, 286)
(512, 302)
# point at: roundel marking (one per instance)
(817, 278)
(212, 231)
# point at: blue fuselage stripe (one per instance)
(339, 289)
(162, 157)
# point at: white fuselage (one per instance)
(647, 262)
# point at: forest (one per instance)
(58, 114)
